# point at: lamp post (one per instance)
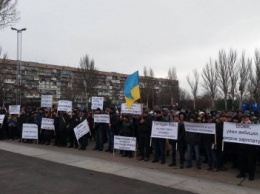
(18, 68)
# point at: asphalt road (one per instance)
(27, 175)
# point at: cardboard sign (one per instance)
(124, 143)
(81, 129)
(165, 130)
(136, 109)
(30, 131)
(46, 101)
(97, 102)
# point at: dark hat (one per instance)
(165, 109)
(112, 108)
(193, 117)
(245, 115)
(209, 116)
(98, 109)
(145, 112)
(158, 111)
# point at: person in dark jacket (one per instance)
(73, 122)
(193, 143)
(208, 142)
(112, 129)
(159, 143)
(144, 127)
(127, 130)
(246, 156)
(99, 129)
(180, 142)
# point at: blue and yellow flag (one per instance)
(132, 89)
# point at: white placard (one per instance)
(124, 143)
(135, 109)
(47, 124)
(2, 119)
(241, 133)
(97, 102)
(65, 105)
(101, 118)
(165, 130)
(46, 101)
(30, 131)
(81, 129)
(14, 109)
(208, 128)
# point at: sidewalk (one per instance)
(197, 181)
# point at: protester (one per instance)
(144, 127)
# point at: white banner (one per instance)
(30, 131)
(65, 105)
(46, 101)
(165, 130)
(97, 102)
(47, 124)
(81, 129)
(101, 118)
(209, 128)
(241, 133)
(136, 109)
(2, 119)
(124, 143)
(14, 109)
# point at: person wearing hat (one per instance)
(208, 141)
(159, 143)
(144, 128)
(181, 144)
(112, 129)
(127, 129)
(218, 154)
(99, 129)
(193, 143)
(246, 156)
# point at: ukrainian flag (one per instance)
(132, 89)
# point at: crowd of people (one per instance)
(186, 148)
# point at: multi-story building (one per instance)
(60, 81)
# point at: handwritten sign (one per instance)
(101, 118)
(208, 128)
(65, 105)
(241, 133)
(165, 130)
(47, 124)
(97, 102)
(14, 109)
(81, 129)
(30, 131)
(46, 101)
(124, 143)
(135, 109)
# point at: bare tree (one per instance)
(3, 74)
(184, 97)
(245, 69)
(173, 85)
(254, 85)
(147, 85)
(8, 13)
(223, 74)
(233, 74)
(209, 76)
(88, 76)
(194, 86)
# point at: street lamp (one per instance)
(18, 68)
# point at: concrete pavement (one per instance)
(183, 179)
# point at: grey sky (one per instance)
(126, 35)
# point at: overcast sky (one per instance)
(126, 35)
